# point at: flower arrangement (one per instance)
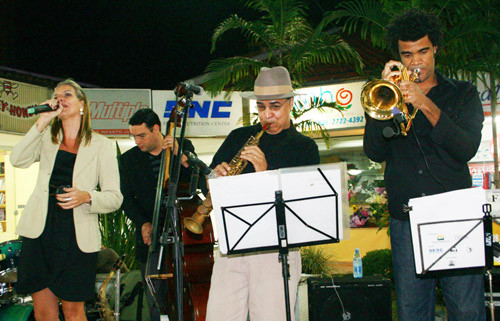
(368, 204)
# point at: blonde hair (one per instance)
(85, 131)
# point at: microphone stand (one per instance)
(171, 233)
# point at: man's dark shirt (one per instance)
(288, 148)
(447, 147)
(138, 186)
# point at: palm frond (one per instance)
(301, 107)
(236, 72)
(330, 49)
(278, 10)
(312, 128)
(253, 30)
(366, 16)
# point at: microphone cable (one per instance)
(421, 150)
(345, 315)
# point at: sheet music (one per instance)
(315, 203)
(439, 221)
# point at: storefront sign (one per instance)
(15, 98)
(347, 97)
(111, 109)
(485, 96)
(209, 116)
(351, 114)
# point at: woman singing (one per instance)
(59, 225)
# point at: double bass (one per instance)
(198, 258)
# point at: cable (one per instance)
(425, 161)
(345, 315)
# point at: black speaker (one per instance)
(349, 299)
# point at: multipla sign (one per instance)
(111, 109)
(208, 116)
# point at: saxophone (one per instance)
(237, 164)
(105, 309)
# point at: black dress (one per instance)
(54, 259)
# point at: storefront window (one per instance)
(366, 188)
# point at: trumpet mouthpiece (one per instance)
(416, 74)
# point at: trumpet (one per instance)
(379, 97)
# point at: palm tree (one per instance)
(470, 46)
(288, 40)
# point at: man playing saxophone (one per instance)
(252, 283)
(431, 159)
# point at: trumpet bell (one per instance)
(379, 97)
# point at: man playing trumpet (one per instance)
(431, 159)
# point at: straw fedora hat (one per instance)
(271, 83)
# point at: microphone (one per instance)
(193, 184)
(183, 88)
(398, 118)
(39, 109)
(205, 170)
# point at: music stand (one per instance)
(280, 209)
(492, 212)
(447, 231)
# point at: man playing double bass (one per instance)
(139, 171)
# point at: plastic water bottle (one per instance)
(357, 265)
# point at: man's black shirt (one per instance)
(138, 183)
(288, 148)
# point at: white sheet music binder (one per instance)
(315, 207)
(447, 230)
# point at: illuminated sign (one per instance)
(208, 116)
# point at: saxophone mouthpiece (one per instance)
(265, 126)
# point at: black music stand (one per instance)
(481, 225)
(315, 218)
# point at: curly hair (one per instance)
(412, 25)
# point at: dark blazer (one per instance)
(138, 187)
